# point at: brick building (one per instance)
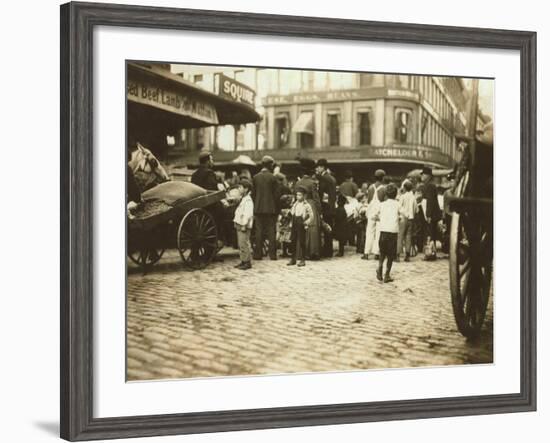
(358, 121)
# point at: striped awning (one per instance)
(304, 124)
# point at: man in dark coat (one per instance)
(265, 194)
(327, 194)
(349, 188)
(204, 176)
(433, 211)
(308, 182)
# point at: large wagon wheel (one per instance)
(470, 267)
(146, 257)
(197, 238)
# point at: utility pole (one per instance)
(472, 127)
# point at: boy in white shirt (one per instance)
(408, 208)
(302, 218)
(244, 217)
(388, 221)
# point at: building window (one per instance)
(333, 129)
(200, 138)
(424, 128)
(402, 125)
(304, 128)
(365, 80)
(364, 127)
(308, 80)
(240, 75)
(305, 140)
(402, 81)
(282, 130)
(320, 80)
(341, 80)
(197, 78)
(289, 81)
(183, 138)
(239, 137)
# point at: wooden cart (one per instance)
(188, 226)
(471, 238)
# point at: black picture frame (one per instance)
(77, 23)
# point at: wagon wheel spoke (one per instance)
(466, 267)
(203, 221)
(477, 298)
(186, 234)
(152, 255)
(210, 229)
(464, 291)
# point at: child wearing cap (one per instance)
(244, 216)
(387, 217)
(302, 218)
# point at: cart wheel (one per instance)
(147, 257)
(197, 239)
(470, 268)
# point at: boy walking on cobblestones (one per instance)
(388, 220)
(244, 216)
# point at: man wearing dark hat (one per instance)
(433, 211)
(327, 194)
(265, 193)
(204, 176)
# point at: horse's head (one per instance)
(147, 169)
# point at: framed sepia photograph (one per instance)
(274, 221)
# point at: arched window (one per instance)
(364, 128)
(333, 128)
(403, 125)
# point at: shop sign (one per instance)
(328, 96)
(171, 101)
(235, 91)
(404, 152)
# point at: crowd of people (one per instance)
(302, 217)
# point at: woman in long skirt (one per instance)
(311, 185)
(313, 236)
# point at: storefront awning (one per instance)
(158, 96)
(244, 160)
(304, 124)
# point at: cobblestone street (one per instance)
(331, 315)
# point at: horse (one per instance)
(147, 170)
